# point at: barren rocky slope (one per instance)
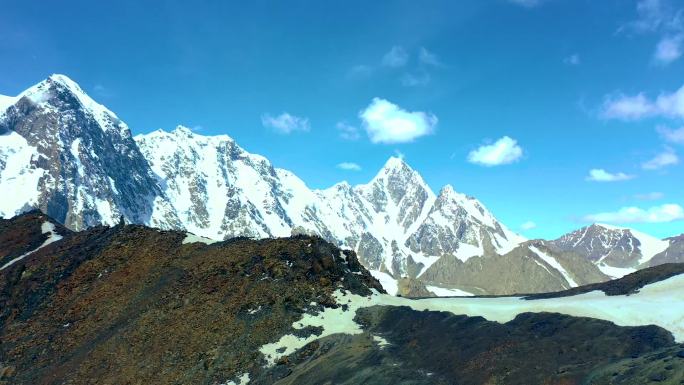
(130, 304)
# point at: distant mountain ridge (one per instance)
(395, 222)
(75, 160)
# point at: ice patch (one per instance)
(660, 304)
(555, 264)
(242, 380)
(332, 321)
(380, 341)
(76, 153)
(442, 292)
(45, 228)
(615, 272)
(18, 175)
(466, 251)
(192, 238)
(6, 102)
(388, 283)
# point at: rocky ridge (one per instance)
(131, 304)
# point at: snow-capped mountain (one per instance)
(75, 160)
(62, 152)
(395, 222)
(617, 251)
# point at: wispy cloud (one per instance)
(659, 17)
(347, 131)
(668, 49)
(504, 151)
(529, 225)
(428, 58)
(421, 78)
(666, 158)
(601, 175)
(653, 16)
(572, 60)
(652, 196)
(285, 123)
(656, 214)
(672, 135)
(526, 3)
(360, 71)
(639, 106)
(385, 122)
(417, 72)
(396, 57)
(349, 166)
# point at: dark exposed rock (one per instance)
(658, 367)
(626, 285)
(441, 348)
(412, 288)
(129, 304)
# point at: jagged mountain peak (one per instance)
(185, 134)
(180, 129)
(396, 165)
(75, 159)
(447, 189)
(615, 250)
(59, 93)
(394, 183)
(395, 162)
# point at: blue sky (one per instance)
(514, 102)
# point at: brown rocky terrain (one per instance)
(134, 305)
(130, 304)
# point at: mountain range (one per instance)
(65, 154)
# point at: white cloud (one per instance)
(503, 151)
(659, 17)
(347, 131)
(663, 159)
(415, 80)
(386, 122)
(429, 58)
(600, 175)
(627, 107)
(672, 135)
(668, 49)
(639, 106)
(654, 16)
(360, 71)
(396, 57)
(526, 3)
(652, 196)
(349, 166)
(529, 225)
(656, 214)
(285, 123)
(572, 60)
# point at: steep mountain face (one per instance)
(69, 156)
(673, 254)
(395, 222)
(616, 251)
(131, 304)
